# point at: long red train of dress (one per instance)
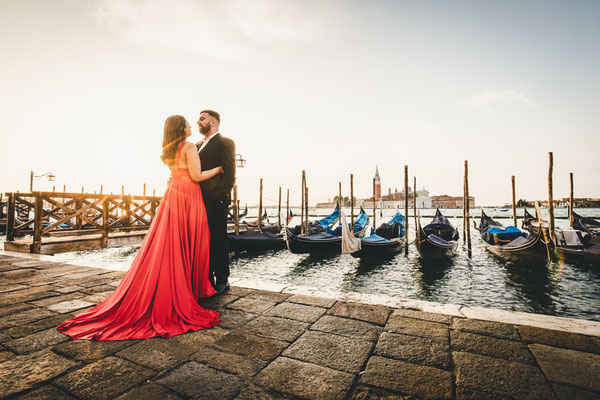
(158, 294)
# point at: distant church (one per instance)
(395, 199)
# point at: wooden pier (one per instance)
(54, 222)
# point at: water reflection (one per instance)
(532, 282)
(430, 274)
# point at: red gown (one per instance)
(158, 294)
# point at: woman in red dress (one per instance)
(158, 294)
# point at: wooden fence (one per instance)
(44, 215)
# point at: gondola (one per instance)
(240, 215)
(581, 243)
(389, 238)
(510, 243)
(321, 239)
(437, 239)
(269, 237)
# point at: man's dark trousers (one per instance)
(216, 213)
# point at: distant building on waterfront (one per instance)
(445, 201)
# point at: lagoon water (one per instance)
(562, 289)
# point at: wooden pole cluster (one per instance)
(340, 195)
(260, 206)
(414, 198)
(550, 197)
(406, 209)
(306, 210)
(464, 235)
(468, 219)
(514, 206)
(571, 203)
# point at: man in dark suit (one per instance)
(217, 150)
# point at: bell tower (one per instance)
(376, 185)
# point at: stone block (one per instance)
(218, 302)
(333, 351)
(490, 346)
(495, 329)
(149, 391)
(28, 371)
(409, 379)
(104, 379)
(36, 326)
(46, 392)
(305, 380)
(570, 367)
(196, 381)
(69, 306)
(253, 392)
(251, 345)
(312, 300)
(25, 317)
(417, 327)
(362, 392)
(25, 295)
(6, 355)
(500, 377)
(240, 291)
(14, 308)
(251, 305)
(566, 340)
(417, 350)
(48, 301)
(229, 362)
(99, 297)
(571, 393)
(231, 319)
(36, 341)
(11, 287)
(425, 316)
(276, 328)
(364, 312)
(158, 353)
(266, 295)
(347, 327)
(91, 350)
(299, 312)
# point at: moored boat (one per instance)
(437, 239)
(389, 238)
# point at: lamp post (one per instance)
(33, 176)
(240, 162)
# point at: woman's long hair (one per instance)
(173, 136)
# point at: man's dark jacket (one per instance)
(218, 151)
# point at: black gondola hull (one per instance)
(255, 242)
(379, 249)
(305, 244)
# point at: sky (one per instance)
(332, 87)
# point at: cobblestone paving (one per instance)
(277, 346)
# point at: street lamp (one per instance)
(33, 176)
(240, 161)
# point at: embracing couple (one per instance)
(185, 255)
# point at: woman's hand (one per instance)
(219, 170)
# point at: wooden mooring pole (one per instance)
(279, 211)
(236, 211)
(302, 203)
(352, 204)
(468, 219)
(414, 198)
(571, 204)
(374, 207)
(287, 207)
(406, 209)
(514, 206)
(550, 197)
(260, 206)
(306, 211)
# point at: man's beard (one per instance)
(204, 129)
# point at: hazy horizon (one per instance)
(331, 87)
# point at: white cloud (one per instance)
(224, 28)
(509, 96)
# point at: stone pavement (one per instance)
(278, 345)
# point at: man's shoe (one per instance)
(221, 288)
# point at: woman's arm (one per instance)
(193, 163)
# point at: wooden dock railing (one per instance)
(54, 214)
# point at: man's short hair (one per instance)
(213, 114)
